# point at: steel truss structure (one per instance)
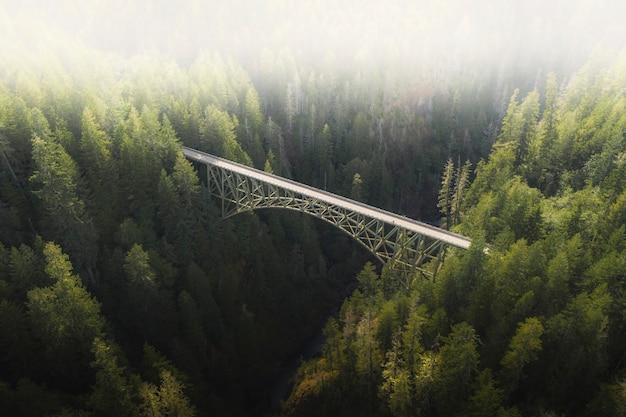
(399, 248)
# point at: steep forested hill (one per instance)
(536, 325)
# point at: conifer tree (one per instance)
(446, 193)
(461, 185)
(523, 349)
(168, 399)
(65, 317)
(17, 346)
(269, 162)
(58, 179)
(114, 393)
(356, 193)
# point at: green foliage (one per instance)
(59, 182)
(114, 392)
(167, 399)
(510, 213)
(64, 317)
(369, 282)
(487, 398)
(218, 136)
(456, 366)
(26, 269)
(610, 400)
(137, 269)
(356, 192)
(575, 342)
(332, 348)
(532, 325)
(446, 192)
(522, 349)
(387, 326)
(270, 162)
(16, 341)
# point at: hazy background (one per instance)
(433, 34)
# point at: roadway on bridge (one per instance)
(334, 199)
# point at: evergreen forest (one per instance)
(123, 292)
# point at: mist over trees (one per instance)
(122, 292)
(534, 327)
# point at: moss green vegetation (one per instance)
(123, 293)
(536, 325)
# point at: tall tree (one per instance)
(218, 136)
(529, 110)
(17, 346)
(446, 193)
(549, 135)
(487, 398)
(113, 392)
(58, 180)
(324, 157)
(461, 184)
(66, 318)
(96, 159)
(168, 399)
(26, 269)
(182, 210)
(510, 125)
(520, 125)
(457, 365)
(356, 192)
(523, 349)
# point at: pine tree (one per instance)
(142, 289)
(523, 349)
(520, 125)
(17, 345)
(487, 398)
(460, 188)
(102, 177)
(325, 156)
(529, 112)
(269, 162)
(510, 125)
(446, 193)
(181, 210)
(26, 269)
(549, 118)
(457, 365)
(356, 192)
(65, 317)
(168, 399)
(57, 176)
(113, 393)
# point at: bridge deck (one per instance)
(330, 198)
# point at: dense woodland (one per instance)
(535, 324)
(120, 284)
(123, 293)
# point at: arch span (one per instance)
(394, 239)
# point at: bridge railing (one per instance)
(394, 219)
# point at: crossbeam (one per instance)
(395, 240)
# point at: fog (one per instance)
(433, 34)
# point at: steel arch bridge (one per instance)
(393, 239)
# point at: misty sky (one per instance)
(478, 30)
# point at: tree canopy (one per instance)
(122, 292)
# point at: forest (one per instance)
(123, 292)
(535, 325)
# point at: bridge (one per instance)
(395, 240)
